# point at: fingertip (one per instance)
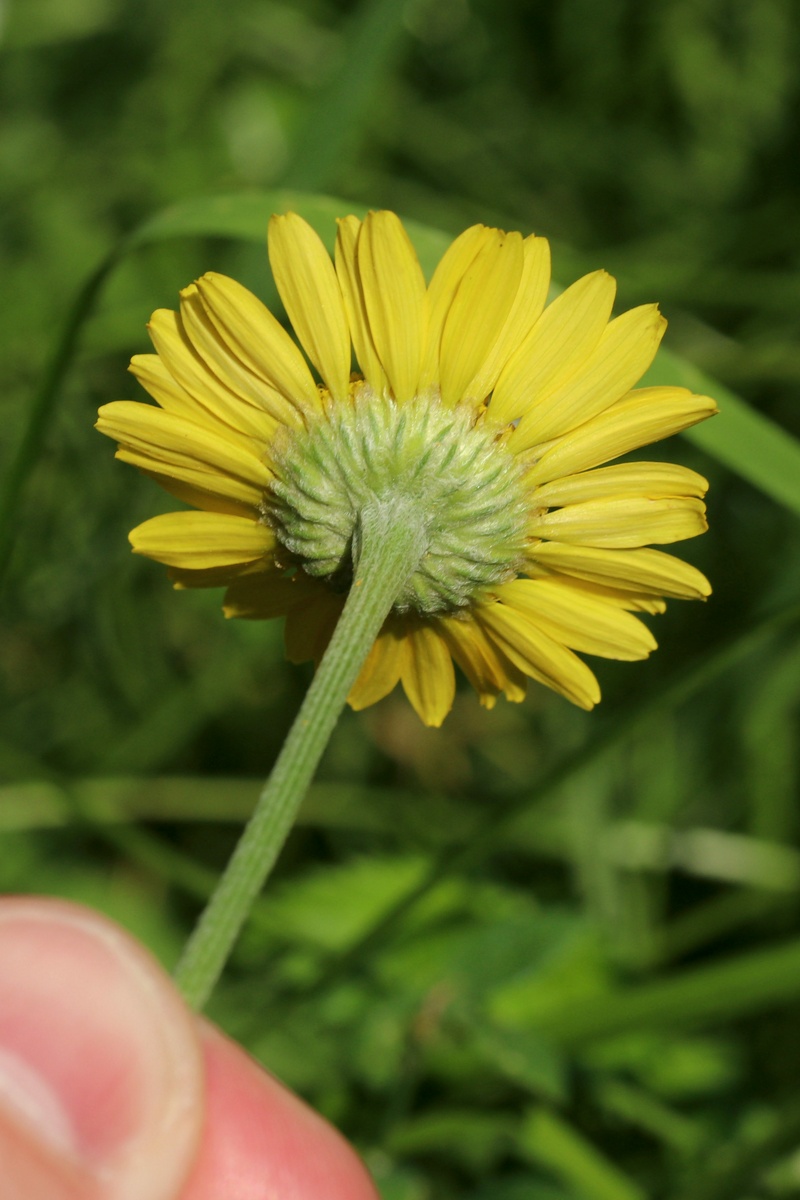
(261, 1141)
(100, 1066)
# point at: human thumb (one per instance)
(101, 1092)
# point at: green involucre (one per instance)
(455, 471)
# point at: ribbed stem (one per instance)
(390, 543)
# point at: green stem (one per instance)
(389, 546)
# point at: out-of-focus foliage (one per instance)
(537, 953)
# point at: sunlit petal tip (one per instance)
(254, 336)
(451, 270)
(704, 587)
(559, 343)
(382, 668)
(477, 318)
(351, 221)
(346, 261)
(527, 307)
(308, 286)
(427, 674)
(158, 317)
(394, 299)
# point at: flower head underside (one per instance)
(492, 413)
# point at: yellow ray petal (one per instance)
(309, 627)
(642, 571)
(560, 341)
(653, 479)
(579, 619)
(143, 425)
(154, 377)
(212, 577)
(618, 361)
(209, 492)
(160, 441)
(309, 289)
(643, 416)
(630, 601)
(485, 666)
(254, 335)
(471, 650)
(352, 292)
(427, 674)
(197, 540)
(478, 314)
(452, 268)
(394, 295)
(382, 668)
(200, 486)
(528, 306)
(156, 380)
(623, 522)
(209, 393)
(269, 407)
(538, 655)
(263, 595)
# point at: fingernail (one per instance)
(28, 1096)
(99, 1060)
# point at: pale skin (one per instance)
(111, 1089)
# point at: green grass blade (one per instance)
(245, 216)
(745, 983)
(548, 1140)
(242, 215)
(736, 1166)
(371, 40)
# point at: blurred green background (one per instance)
(538, 953)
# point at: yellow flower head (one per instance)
(488, 411)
